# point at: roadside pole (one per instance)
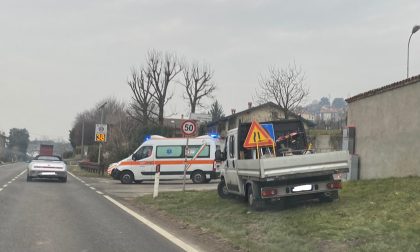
(156, 185)
(83, 139)
(188, 128)
(185, 165)
(100, 136)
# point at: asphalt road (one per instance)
(116, 189)
(46, 215)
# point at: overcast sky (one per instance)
(59, 58)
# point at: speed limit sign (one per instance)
(188, 127)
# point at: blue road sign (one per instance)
(270, 130)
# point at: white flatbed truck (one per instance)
(291, 173)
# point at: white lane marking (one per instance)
(8, 183)
(93, 188)
(148, 223)
(153, 226)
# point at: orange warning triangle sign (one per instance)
(257, 136)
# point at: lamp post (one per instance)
(100, 144)
(415, 29)
(83, 139)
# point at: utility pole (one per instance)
(83, 139)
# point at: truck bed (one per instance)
(295, 166)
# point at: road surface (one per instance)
(46, 215)
(116, 189)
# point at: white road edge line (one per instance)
(153, 226)
(4, 186)
(99, 192)
(150, 224)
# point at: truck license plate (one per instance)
(302, 188)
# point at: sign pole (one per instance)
(185, 165)
(188, 128)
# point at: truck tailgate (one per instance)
(337, 161)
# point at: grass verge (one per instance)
(75, 169)
(374, 215)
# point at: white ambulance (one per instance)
(171, 156)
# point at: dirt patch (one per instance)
(197, 236)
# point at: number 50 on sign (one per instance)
(188, 127)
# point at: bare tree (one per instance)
(285, 87)
(120, 129)
(161, 70)
(198, 85)
(142, 105)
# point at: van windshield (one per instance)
(144, 152)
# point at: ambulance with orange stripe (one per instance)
(171, 155)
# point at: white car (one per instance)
(47, 167)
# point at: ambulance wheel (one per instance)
(198, 177)
(127, 177)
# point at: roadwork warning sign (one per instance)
(257, 137)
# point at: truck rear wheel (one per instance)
(222, 190)
(253, 202)
(329, 197)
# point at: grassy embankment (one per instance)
(75, 169)
(376, 215)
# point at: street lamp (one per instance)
(415, 29)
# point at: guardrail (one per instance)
(91, 167)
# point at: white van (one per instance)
(169, 155)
